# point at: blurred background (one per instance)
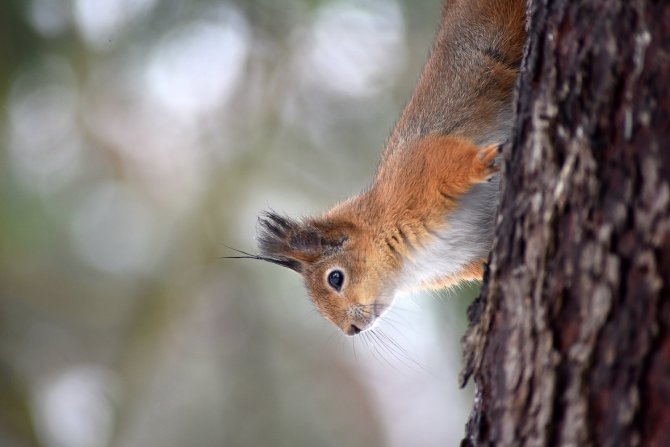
(137, 137)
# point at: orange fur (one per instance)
(425, 191)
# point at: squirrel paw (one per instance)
(486, 163)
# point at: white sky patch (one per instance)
(426, 407)
(355, 48)
(74, 408)
(44, 143)
(195, 68)
(159, 149)
(101, 21)
(50, 17)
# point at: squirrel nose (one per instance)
(352, 330)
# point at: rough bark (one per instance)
(569, 343)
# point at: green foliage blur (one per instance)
(138, 139)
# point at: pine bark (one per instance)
(569, 342)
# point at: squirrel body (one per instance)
(427, 220)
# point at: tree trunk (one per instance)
(569, 343)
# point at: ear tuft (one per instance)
(274, 234)
(286, 239)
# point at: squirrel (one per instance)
(428, 218)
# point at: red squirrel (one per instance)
(427, 220)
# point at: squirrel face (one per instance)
(419, 226)
(343, 269)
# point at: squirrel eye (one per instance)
(335, 279)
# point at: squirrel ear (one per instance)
(292, 243)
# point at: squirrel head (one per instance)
(340, 266)
(422, 224)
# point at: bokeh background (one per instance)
(137, 137)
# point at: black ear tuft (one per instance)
(274, 234)
(286, 239)
(283, 236)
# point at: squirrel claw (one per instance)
(486, 164)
